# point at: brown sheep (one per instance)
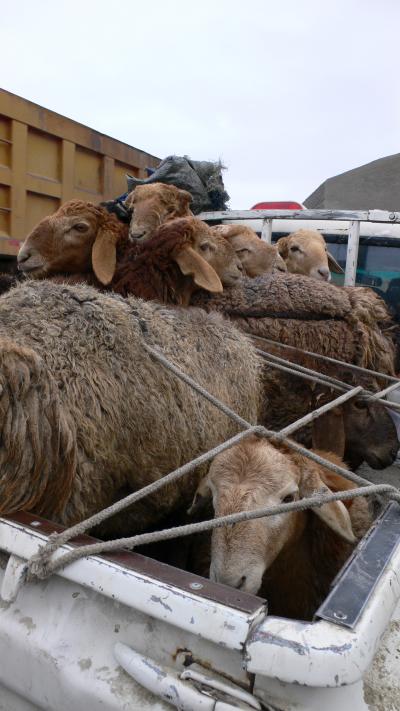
(80, 239)
(290, 559)
(153, 205)
(184, 255)
(326, 319)
(86, 414)
(305, 252)
(257, 257)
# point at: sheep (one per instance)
(305, 252)
(289, 559)
(153, 205)
(324, 319)
(257, 257)
(182, 255)
(87, 414)
(359, 430)
(80, 238)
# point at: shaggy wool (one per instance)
(87, 415)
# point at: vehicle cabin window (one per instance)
(378, 267)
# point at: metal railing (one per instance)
(354, 217)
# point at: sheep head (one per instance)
(79, 237)
(171, 265)
(371, 434)
(257, 257)
(252, 475)
(153, 205)
(305, 252)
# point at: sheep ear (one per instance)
(334, 515)
(201, 498)
(184, 199)
(333, 265)
(203, 274)
(104, 256)
(180, 206)
(283, 247)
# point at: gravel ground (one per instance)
(391, 475)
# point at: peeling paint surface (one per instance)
(268, 638)
(28, 623)
(154, 598)
(85, 664)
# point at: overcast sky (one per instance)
(287, 92)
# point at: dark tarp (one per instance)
(372, 186)
(203, 179)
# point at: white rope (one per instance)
(39, 568)
(40, 565)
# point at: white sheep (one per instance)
(305, 252)
(291, 558)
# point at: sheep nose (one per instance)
(136, 234)
(241, 582)
(23, 255)
(240, 267)
(325, 273)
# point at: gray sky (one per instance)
(286, 93)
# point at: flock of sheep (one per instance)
(88, 416)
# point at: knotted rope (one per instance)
(41, 565)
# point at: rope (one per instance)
(328, 381)
(319, 356)
(40, 565)
(39, 568)
(302, 372)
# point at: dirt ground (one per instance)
(391, 475)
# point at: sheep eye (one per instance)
(205, 246)
(289, 498)
(80, 227)
(360, 404)
(295, 249)
(243, 251)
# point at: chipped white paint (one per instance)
(360, 215)
(321, 654)
(14, 577)
(266, 232)
(162, 601)
(188, 691)
(352, 254)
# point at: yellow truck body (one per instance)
(46, 159)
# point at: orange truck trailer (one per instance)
(46, 159)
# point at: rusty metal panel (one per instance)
(47, 159)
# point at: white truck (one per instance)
(120, 631)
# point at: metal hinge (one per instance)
(194, 689)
